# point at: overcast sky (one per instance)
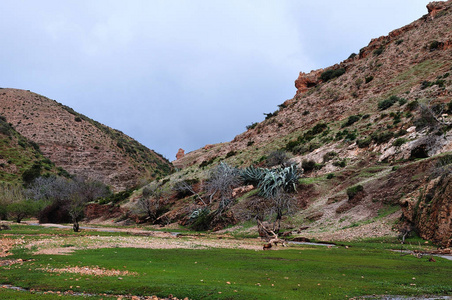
(183, 74)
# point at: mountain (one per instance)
(378, 122)
(79, 145)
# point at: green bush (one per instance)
(251, 126)
(369, 79)
(387, 103)
(412, 105)
(382, 136)
(329, 155)
(351, 120)
(351, 136)
(449, 107)
(231, 153)
(399, 142)
(378, 51)
(330, 176)
(354, 190)
(434, 45)
(341, 163)
(363, 143)
(331, 74)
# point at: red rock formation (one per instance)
(180, 153)
(305, 81)
(435, 7)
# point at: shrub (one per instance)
(449, 107)
(278, 158)
(351, 136)
(231, 153)
(341, 163)
(382, 136)
(402, 101)
(369, 79)
(270, 115)
(354, 190)
(291, 145)
(434, 45)
(351, 120)
(378, 51)
(353, 55)
(399, 142)
(329, 155)
(251, 126)
(201, 219)
(387, 103)
(363, 143)
(331, 74)
(398, 42)
(310, 165)
(330, 176)
(412, 105)
(31, 174)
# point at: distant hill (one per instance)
(78, 144)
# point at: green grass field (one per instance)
(296, 272)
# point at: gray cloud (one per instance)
(182, 73)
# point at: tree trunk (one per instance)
(76, 226)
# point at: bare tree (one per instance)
(222, 181)
(272, 210)
(152, 202)
(185, 188)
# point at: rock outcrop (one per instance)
(431, 211)
(306, 81)
(180, 153)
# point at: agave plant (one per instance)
(253, 175)
(270, 181)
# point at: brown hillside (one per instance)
(380, 122)
(396, 64)
(78, 144)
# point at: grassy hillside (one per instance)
(20, 157)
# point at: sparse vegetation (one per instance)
(332, 74)
(354, 190)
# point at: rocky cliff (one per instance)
(78, 144)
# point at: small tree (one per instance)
(222, 181)
(22, 209)
(152, 202)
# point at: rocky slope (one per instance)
(381, 119)
(78, 144)
(397, 64)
